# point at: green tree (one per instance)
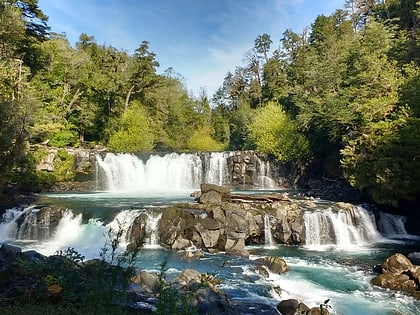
(16, 96)
(274, 133)
(201, 140)
(134, 134)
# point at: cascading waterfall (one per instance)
(27, 229)
(341, 228)
(167, 173)
(152, 237)
(268, 237)
(216, 168)
(127, 172)
(392, 225)
(264, 179)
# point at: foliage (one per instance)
(134, 134)
(202, 140)
(171, 301)
(348, 85)
(384, 159)
(29, 177)
(275, 134)
(74, 285)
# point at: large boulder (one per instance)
(274, 264)
(395, 282)
(172, 228)
(292, 307)
(396, 264)
(211, 193)
(398, 273)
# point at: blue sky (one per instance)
(200, 39)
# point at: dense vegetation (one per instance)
(342, 94)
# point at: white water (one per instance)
(343, 229)
(392, 225)
(264, 179)
(171, 172)
(268, 237)
(312, 278)
(152, 236)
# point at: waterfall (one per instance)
(129, 173)
(174, 172)
(22, 224)
(216, 169)
(268, 237)
(152, 237)
(340, 228)
(171, 172)
(392, 225)
(263, 172)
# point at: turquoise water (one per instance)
(315, 274)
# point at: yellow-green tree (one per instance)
(134, 134)
(201, 140)
(274, 133)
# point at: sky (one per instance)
(202, 40)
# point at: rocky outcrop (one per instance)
(398, 273)
(217, 225)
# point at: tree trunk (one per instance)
(127, 98)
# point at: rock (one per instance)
(414, 274)
(223, 190)
(148, 281)
(196, 195)
(317, 311)
(193, 254)
(9, 250)
(180, 243)
(274, 264)
(210, 237)
(244, 253)
(211, 193)
(292, 307)
(395, 282)
(210, 197)
(47, 162)
(187, 277)
(263, 271)
(396, 264)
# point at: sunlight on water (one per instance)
(318, 271)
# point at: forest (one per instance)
(342, 96)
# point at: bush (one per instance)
(64, 138)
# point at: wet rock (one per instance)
(399, 274)
(274, 264)
(292, 307)
(395, 282)
(187, 277)
(396, 264)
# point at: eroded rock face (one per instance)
(398, 273)
(217, 225)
